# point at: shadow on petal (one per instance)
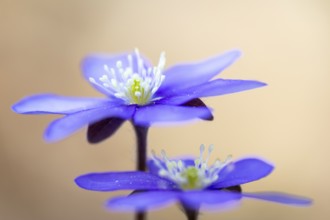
(142, 201)
(103, 129)
(196, 102)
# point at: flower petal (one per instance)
(143, 200)
(94, 66)
(176, 99)
(152, 167)
(111, 181)
(222, 87)
(242, 171)
(148, 115)
(103, 129)
(213, 88)
(211, 198)
(187, 75)
(278, 197)
(67, 125)
(55, 104)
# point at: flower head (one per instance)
(190, 182)
(190, 176)
(133, 85)
(137, 91)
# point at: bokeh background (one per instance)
(285, 43)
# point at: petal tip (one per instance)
(266, 165)
(256, 84)
(80, 180)
(50, 134)
(262, 84)
(16, 108)
(20, 107)
(236, 53)
(77, 181)
(282, 198)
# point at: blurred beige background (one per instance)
(285, 43)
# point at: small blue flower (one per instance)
(190, 182)
(136, 91)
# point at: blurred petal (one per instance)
(103, 129)
(55, 104)
(143, 200)
(242, 171)
(223, 86)
(67, 125)
(194, 199)
(112, 181)
(278, 197)
(184, 76)
(94, 66)
(148, 115)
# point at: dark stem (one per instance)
(191, 214)
(140, 215)
(141, 139)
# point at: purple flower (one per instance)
(136, 91)
(190, 182)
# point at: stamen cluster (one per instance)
(196, 176)
(133, 85)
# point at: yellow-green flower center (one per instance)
(136, 91)
(138, 94)
(191, 175)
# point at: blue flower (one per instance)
(190, 182)
(136, 91)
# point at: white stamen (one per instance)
(211, 147)
(185, 176)
(92, 80)
(106, 68)
(130, 60)
(119, 64)
(131, 79)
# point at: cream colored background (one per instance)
(285, 43)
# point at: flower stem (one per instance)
(141, 139)
(191, 213)
(140, 216)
